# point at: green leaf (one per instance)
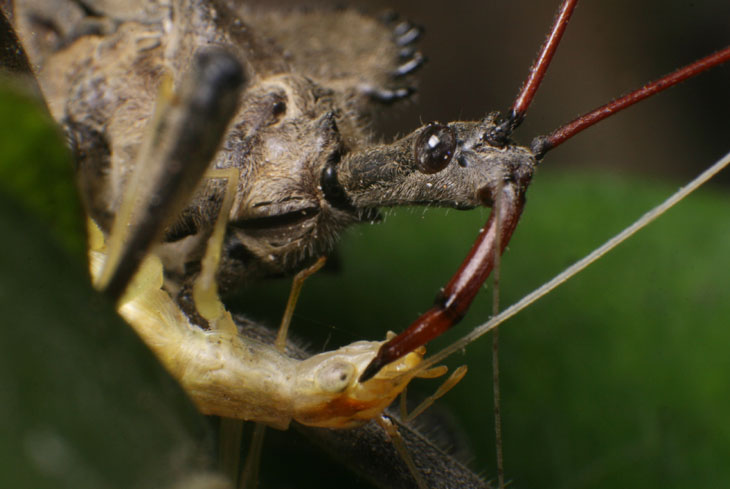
(36, 169)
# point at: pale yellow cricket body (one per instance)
(231, 375)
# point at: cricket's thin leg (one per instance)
(400, 446)
(232, 429)
(496, 275)
(183, 136)
(205, 287)
(431, 373)
(447, 385)
(230, 435)
(250, 474)
(291, 304)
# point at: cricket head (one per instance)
(329, 395)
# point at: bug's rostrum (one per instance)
(454, 300)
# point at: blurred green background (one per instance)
(619, 379)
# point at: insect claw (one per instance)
(401, 28)
(410, 66)
(389, 96)
(409, 36)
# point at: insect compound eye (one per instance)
(434, 148)
(278, 109)
(335, 376)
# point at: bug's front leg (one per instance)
(183, 136)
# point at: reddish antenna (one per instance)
(539, 67)
(542, 144)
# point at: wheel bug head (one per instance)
(306, 168)
(450, 165)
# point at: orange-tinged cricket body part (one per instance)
(231, 375)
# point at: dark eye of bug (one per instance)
(278, 110)
(434, 148)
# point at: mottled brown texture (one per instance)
(315, 79)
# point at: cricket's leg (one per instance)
(445, 387)
(205, 287)
(250, 474)
(400, 446)
(291, 304)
